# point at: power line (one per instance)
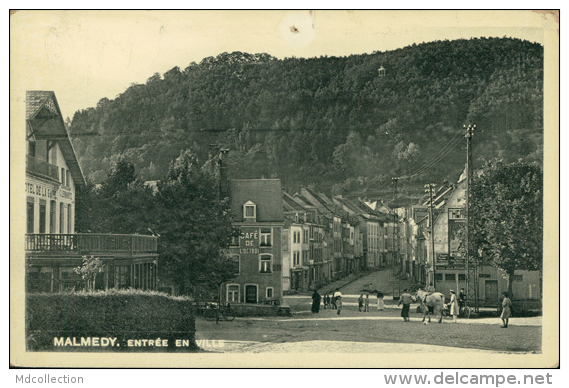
(433, 163)
(437, 157)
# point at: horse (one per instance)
(436, 301)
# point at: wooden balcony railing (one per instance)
(91, 243)
(39, 167)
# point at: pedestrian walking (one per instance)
(337, 293)
(360, 302)
(339, 303)
(380, 305)
(335, 297)
(506, 310)
(325, 301)
(406, 299)
(366, 303)
(453, 306)
(316, 302)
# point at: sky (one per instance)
(86, 55)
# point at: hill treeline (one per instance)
(336, 123)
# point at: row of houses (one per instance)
(299, 242)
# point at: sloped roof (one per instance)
(266, 194)
(289, 204)
(45, 121)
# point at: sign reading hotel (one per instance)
(40, 190)
(249, 242)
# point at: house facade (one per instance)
(447, 268)
(258, 213)
(52, 248)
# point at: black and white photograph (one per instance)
(284, 188)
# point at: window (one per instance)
(51, 216)
(42, 216)
(455, 214)
(461, 277)
(68, 178)
(234, 241)
(518, 278)
(266, 239)
(296, 258)
(265, 264)
(438, 277)
(69, 214)
(61, 217)
(62, 176)
(296, 237)
(233, 293)
(30, 215)
(250, 210)
(450, 277)
(270, 292)
(236, 267)
(305, 236)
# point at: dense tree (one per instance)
(184, 208)
(507, 216)
(296, 118)
(194, 226)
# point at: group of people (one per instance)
(334, 302)
(363, 303)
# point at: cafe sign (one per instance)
(249, 242)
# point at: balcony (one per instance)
(41, 168)
(127, 245)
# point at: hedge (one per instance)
(114, 320)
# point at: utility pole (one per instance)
(429, 188)
(394, 182)
(471, 263)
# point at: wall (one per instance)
(526, 284)
(39, 191)
(249, 252)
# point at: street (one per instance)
(373, 331)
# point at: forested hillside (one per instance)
(335, 123)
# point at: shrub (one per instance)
(60, 321)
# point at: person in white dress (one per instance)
(380, 305)
(453, 306)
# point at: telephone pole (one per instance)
(471, 263)
(429, 189)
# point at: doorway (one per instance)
(491, 291)
(250, 294)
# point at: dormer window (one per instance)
(250, 211)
